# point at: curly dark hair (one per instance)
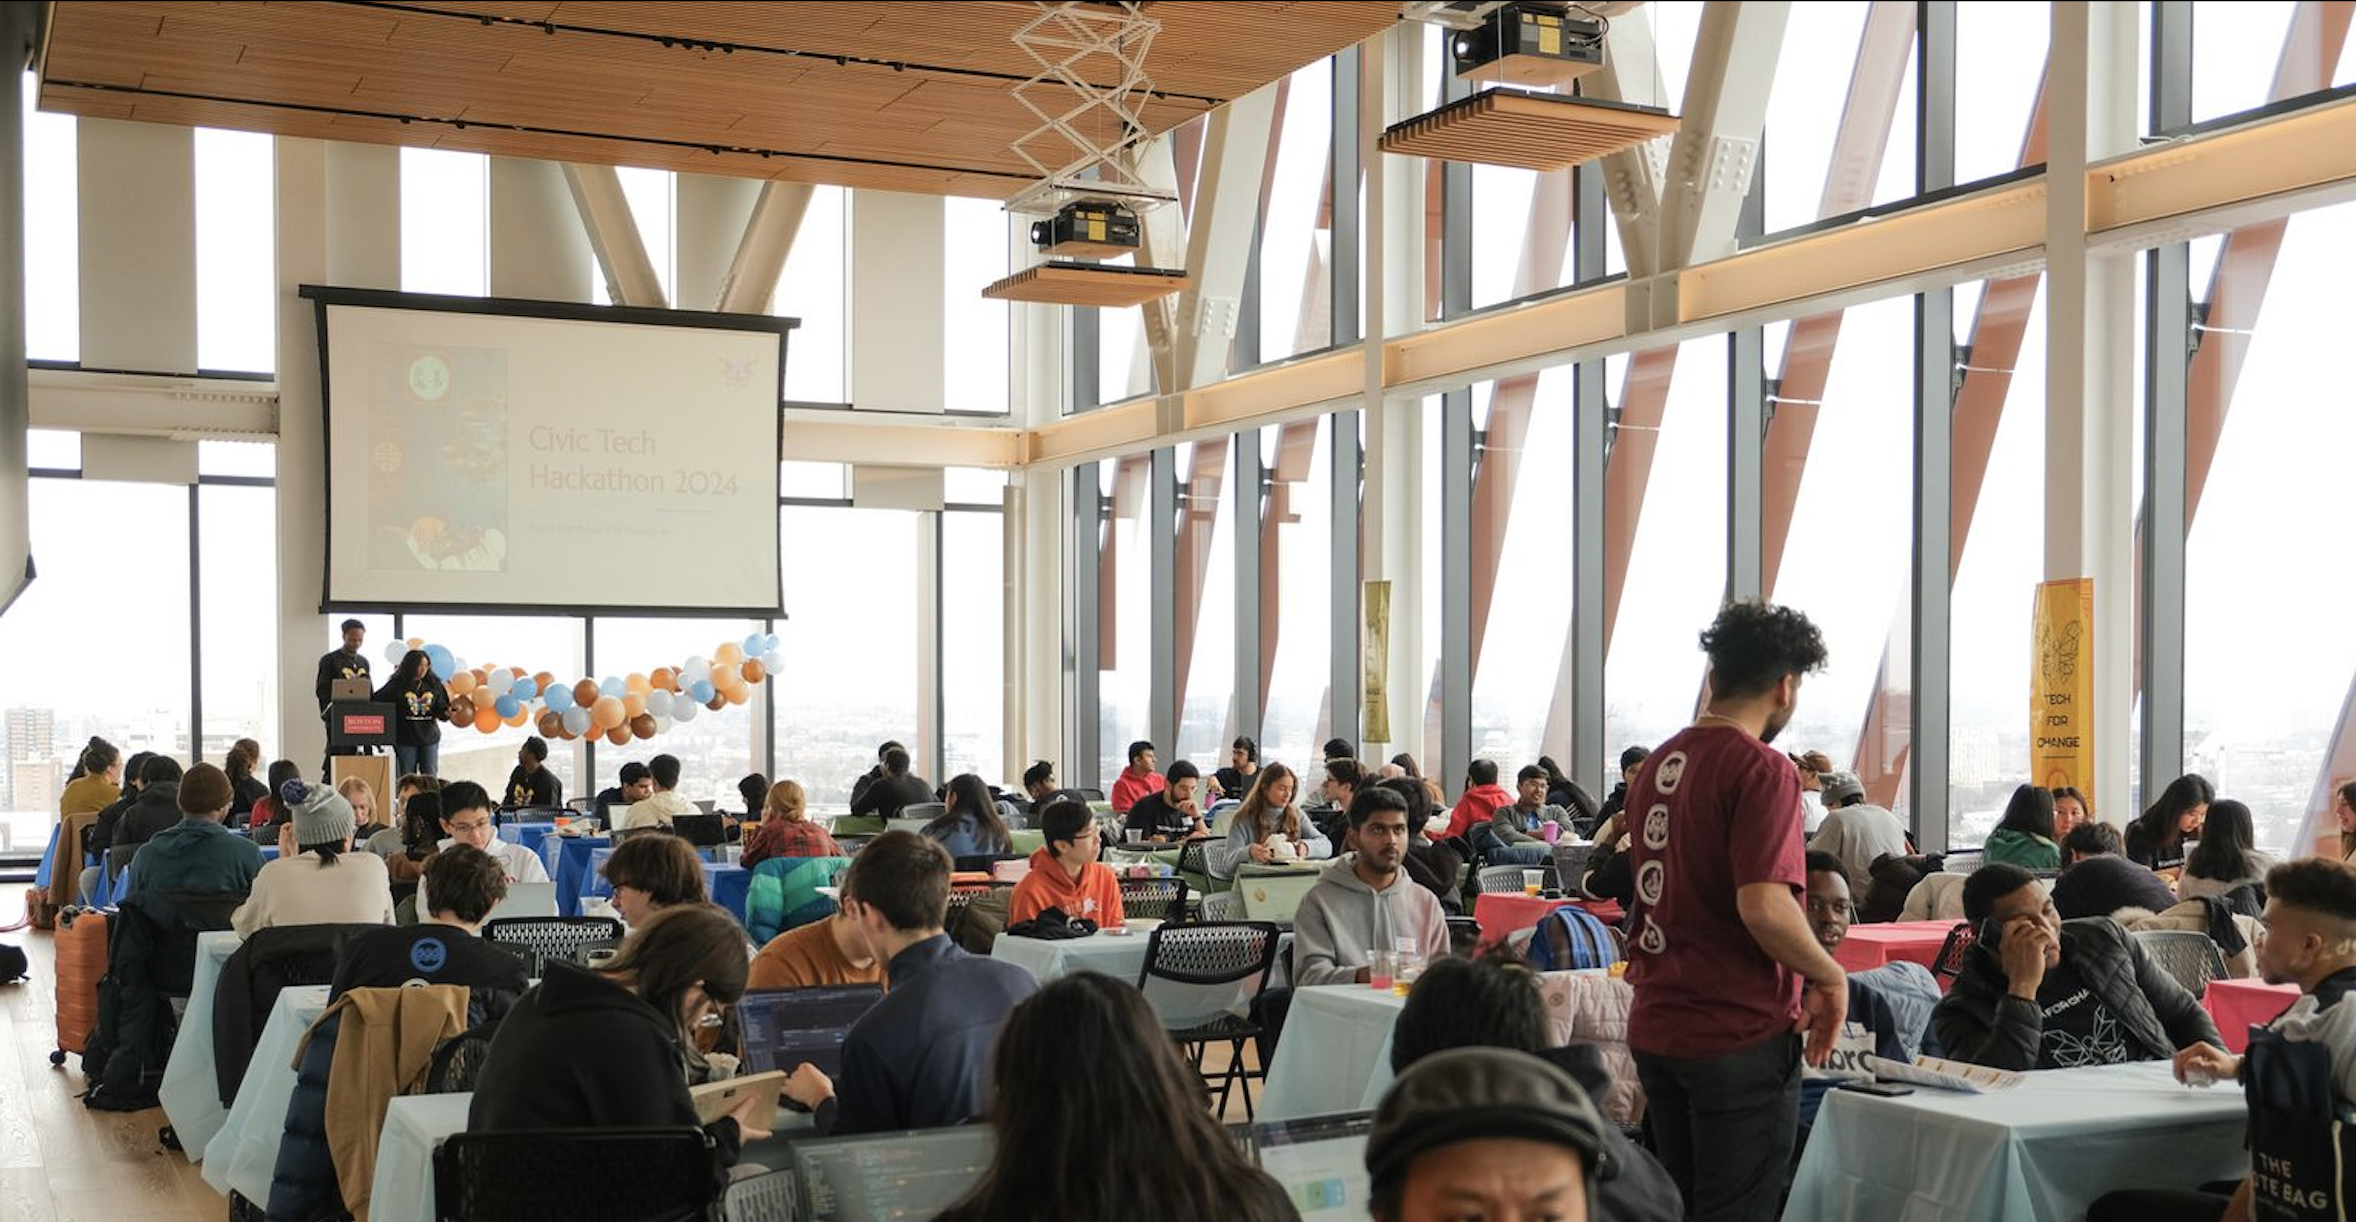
(2316, 884)
(1753, 645)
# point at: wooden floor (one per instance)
(59, 1161)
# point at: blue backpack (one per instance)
(1569, 938)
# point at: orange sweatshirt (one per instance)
(1095, 895)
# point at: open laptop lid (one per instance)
(785, 1027)
(1320, 1161)
(880, 1177)
(526, 900)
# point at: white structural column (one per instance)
(537, 250)
(1219, 235)
(1632, 178)
(750, 280)
(1037, 507)
(1393, 85)
(710, 215)
(604, 212)
(332, 228)
(137, 191)
(2089, 368)
(1716, 148)
(897, 319)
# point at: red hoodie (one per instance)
(1095, 895)
(1475, 807)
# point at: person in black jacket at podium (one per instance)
(345, 663)
(534, 783)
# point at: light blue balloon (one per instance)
(703, 692)
(507, 706)
(610, 686)
(576, 720)
(439, 658)
(525, 688)
(753, 645)
(559, 697)
(770, 642)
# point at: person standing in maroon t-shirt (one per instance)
(1719, 944)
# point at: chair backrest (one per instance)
(1222, 906)
(118, 859)
(2185, 954)
(625, 1175)
(1505, 880)
(1949, 964)
(539, 940)
(1161, 899)
(458, 1061)
(1196, 973)
(1089, 795)
(1464, 935)
(923, 811)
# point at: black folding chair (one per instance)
(539, 940)
(1162, 899)
(1959, 941)
(458, 1061)
(1204, 971)
(616, 1175)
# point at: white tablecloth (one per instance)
(1121, 956)
(191, 1091)
(2044, 1150)
(415, 1125)
(1335, 1055)
(244, 1154)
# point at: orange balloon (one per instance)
(633, 707)
(462, 711)
(486, 719)
(515, 672)
(618, 736)
(737, 695)
(663, 678)
(717, 703)
(642, 726)
(416, 642)
(725, 676)
(727, 655)
(523, 717)
(634, 684)
(585, 693)
(754, 672)
(606, 712)
(462, 683)
(542, 680)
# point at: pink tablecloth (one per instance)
(1870, 946)
(2239, 1005)
(1502, 914)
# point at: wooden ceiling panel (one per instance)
(898, 96)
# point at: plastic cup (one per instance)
(1533, 881)
(1552, 829)
(1379, 972)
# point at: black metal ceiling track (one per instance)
(534, 130)
(725, 47)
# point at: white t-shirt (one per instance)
(656, 811)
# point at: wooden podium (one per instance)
(377, 770)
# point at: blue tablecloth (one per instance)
(41, 872)
(573, 876)
(728, 884)
(529, 835)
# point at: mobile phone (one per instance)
(1992, 934)
(1882, 1090)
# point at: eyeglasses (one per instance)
(457, 829)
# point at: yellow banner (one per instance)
(2061, 685)
(1377, 663)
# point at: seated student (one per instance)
(1889, 1006)
(1265, 825)
(2097, 881)
(442, 948)
(612, 1046)
(101, 833)
(1040, 788)
(2310, 942)
(970, 823)
(323, 882)
(2226, 859)
(1363, 902)
(636, 785)
(532, 782)
(1136, 780)
(197, 853)
(1243, 767)
(467, 819)
(158, 804)
(1173, 812)
(268, 816)
(1433, 867)
(362, 796)
(394, 840)
(1513, 834)
(894, 790)
(651, 873)
(1488, 1133)
(868, 778)
(1856, 831)
(919, 1059)
(786, 829)
(1065, 874)
(832, 951)
(1139, 1109)
(2024, 837)
(657, 809)
(2044, 995)
(2162, 834)
(1494, 1002)
(1482, 796)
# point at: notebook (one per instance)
(883, 1177)
(785, 1027)
(1320, 1161)
(716, 1099)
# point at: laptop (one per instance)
(526, 900)
(885, 1177)
(1320, 1161)
(785, 1027)
(702, 831)
(349, 689)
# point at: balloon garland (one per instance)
(638, 705)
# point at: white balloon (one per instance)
(662, 723)
(773, 661)
(684, 711)
(496, 683)
(658, 702)
(576, 720)
(396, 651)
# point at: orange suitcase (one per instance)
(81, 960)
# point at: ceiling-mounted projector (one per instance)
(1529, 45)
(1090, 228)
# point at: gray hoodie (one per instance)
(1342, 922)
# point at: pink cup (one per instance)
(1552, 829)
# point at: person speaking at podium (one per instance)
(345, 663)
